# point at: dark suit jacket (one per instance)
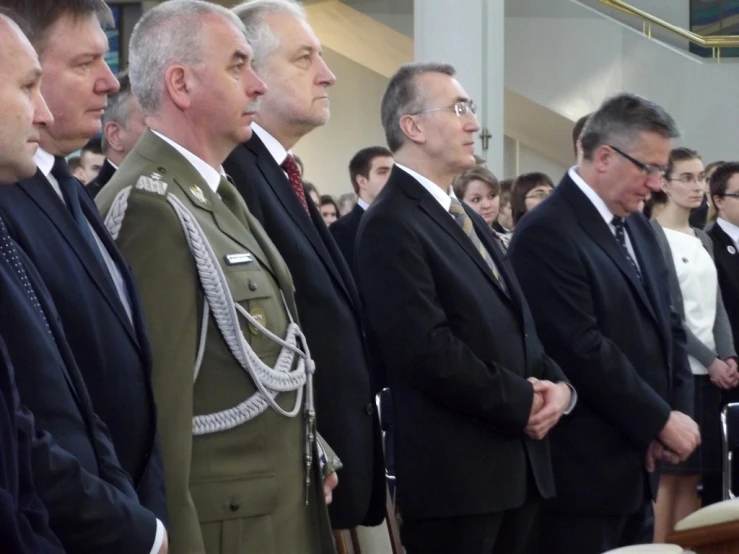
(344, 230)
(92, 504)
(726, 257)
(328, 306)
(458, 350)
(106, 172)
(24, 521)
(618, 341)
(113, 355)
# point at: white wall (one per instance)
(526, 160)
(571, 63)
(355, 124)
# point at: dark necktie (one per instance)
(70, 188)
(229, 195)
(618, 224)
(9, 252)
(293, 174)
(464, 221)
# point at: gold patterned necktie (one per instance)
(464, 221)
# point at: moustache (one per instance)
(253, 107)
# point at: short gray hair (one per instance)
(403, 97)
(260, 36)
(168, 34)
(118, 108)
(621, 119)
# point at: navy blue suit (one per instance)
(92, 504)
(112, 354)
(329, 308)
(623, 349)
(344, 231)
(24, 521)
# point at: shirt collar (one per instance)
(209, 175)
(44, 161)
(362, 204)
(729, 228)
(593, 196)
(442, 197)
(271, 143)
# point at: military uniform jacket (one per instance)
(241, 490)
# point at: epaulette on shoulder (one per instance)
(152, 183)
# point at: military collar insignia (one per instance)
(197, 192)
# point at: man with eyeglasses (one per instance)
(596, 280)
(474, 395)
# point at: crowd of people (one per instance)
(192, 338)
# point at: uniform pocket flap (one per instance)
(226, 499)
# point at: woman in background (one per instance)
(329, 209)
(693, 282)
(479, 189)
(529, 190)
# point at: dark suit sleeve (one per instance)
(558, 290)
(87, 514)
(24, 523)
(414, 338)
(110, 468)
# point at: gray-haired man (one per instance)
(232, 372)
(123, 125)
(287, 56)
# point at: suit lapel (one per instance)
(597, 229)
(43, 195)
(277, 180)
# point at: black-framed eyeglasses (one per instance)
(690, 179)
(649, 170)
(463, 107)
(731, 194)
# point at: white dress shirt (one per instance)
(272, 145)
(730, 229)
(207, 172)
(45, 163)
(362, 203)
(603, 210)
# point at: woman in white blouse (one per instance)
(695, 296)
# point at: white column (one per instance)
(469, 34)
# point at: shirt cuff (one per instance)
(158, 538)
(573, 399)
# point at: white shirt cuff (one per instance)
(573, 400)
(158, 538)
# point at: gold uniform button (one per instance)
(261, 318)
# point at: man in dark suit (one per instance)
(594, 277)
(265, 174)
(474, 395)
(24, 521)
(369, 170)
(92, 504)
(58, 226)
(123, 125)
(724, 193)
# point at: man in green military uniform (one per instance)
(232, 372)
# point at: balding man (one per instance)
(57, 225)
(123, 125)
(232, 373)
(23, 518)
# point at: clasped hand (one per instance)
(550, 402)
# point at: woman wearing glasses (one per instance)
(695, 296)
(529, 190)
